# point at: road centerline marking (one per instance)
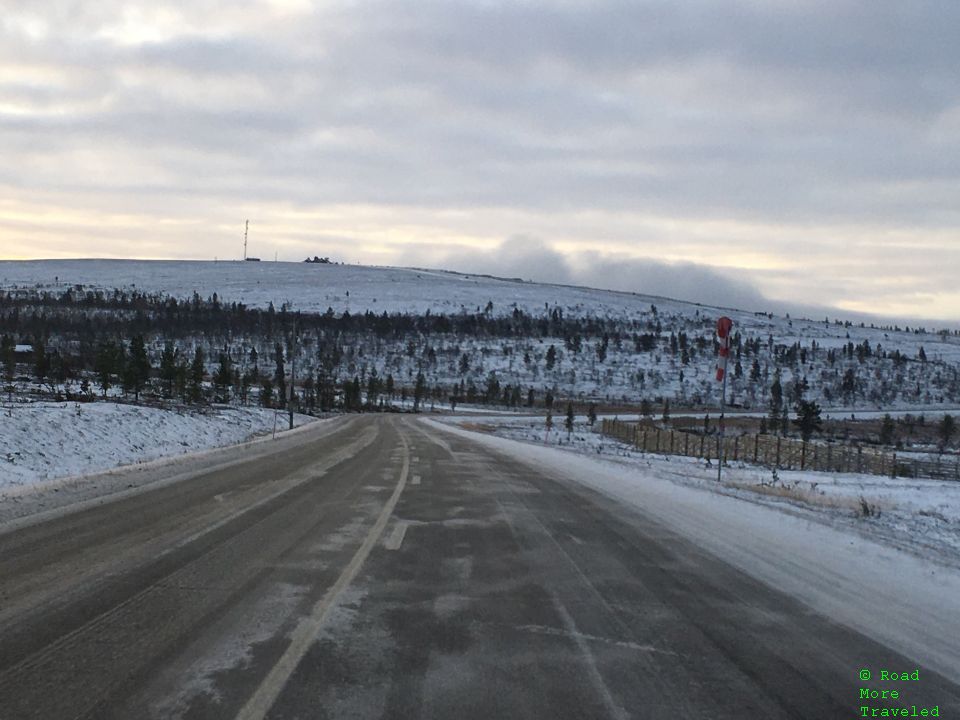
(307, 630)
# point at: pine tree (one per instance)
(223, 377)
(887, 430)
(946, 430)
(168, 368)
(105, 365)
(373, 388)
(247, 380)
(551, 357)
(120, 367)
(776, 400)
(266, 392)
(137, 370)
(493, 389)
(568, 423)
(9, 358)
(646, 408)
(808, 419)
(197, 372)
(41, 362)
(419, 391)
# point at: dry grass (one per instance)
(479, 427)
(804, 493)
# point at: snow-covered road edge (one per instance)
(33, 503)
(901, 601)
(306, 423)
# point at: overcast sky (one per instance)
(747, 153)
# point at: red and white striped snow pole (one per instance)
(724, 325)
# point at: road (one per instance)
(380, 568)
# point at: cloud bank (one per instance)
(809, 149)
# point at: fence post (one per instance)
(686, 444)
(701, 445)
(893, 466)
(736, 448)
(778, 451)
(658, 440)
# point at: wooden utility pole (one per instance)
(293, 369)
(246, 229)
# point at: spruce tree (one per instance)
(551, 357)
(419, 391)
(776, 400)
(168, 368)
(887, 430)
(197, 372)
(137, 370)
(9, 358)
(105, 365)
(223, 377)
(41, 362)
(266, 392)
(946, 430)
(808, 419)
(646, 408)
(568, 423)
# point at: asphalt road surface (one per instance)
(380, 568)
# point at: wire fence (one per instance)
(773, 451)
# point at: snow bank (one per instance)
(902, 601)
(43, 441)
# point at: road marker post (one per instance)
(724, 324)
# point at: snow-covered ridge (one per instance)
(580, 343)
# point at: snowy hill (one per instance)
(607, 346)
(317, 287)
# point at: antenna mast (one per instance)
(246, 229)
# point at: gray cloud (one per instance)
(532, 259)
(819, 113)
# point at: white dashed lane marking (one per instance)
(396, 537)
